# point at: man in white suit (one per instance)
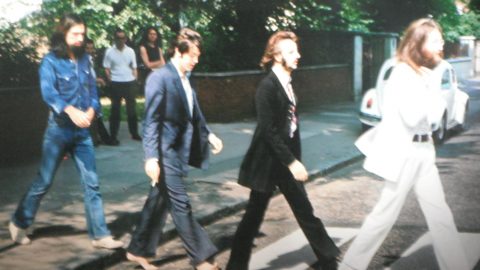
(400, 149)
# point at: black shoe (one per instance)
(104, 140)
(112, 142)
(330, 265)
(136, 137)
(97, 143)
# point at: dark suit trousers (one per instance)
(170, 195)
(127, 91)
(294, 191)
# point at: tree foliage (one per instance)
(234, 31)
(102, 17)
(18, 58)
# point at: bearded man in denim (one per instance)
(68, 88)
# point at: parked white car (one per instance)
(456, 101)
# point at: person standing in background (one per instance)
(121, 71)
(150, 50)
(98, 130)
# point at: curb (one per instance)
(116, 256)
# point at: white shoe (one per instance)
(18, 235)
(107, 242)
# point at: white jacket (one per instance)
(411, 103)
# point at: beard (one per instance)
(287, 66)
(78, 51)
(431, 61)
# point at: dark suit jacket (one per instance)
(271, 149)
(170, 134)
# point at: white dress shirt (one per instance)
(186, 87)
(285, 81)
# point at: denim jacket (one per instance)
(64, 82)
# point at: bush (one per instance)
(18, 58)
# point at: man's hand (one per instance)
(100, 82)
(152, 169)
(90, 114)
(298, 171)
(135, 73)
(216, 143)
(79, 118)
(108, 74)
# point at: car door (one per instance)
(448, 93)
(383, 76)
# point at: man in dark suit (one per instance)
(273, 159)
(175, 136)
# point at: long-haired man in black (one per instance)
(274, 158)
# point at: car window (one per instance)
(387, 74)
(446, 80)
(454, 76)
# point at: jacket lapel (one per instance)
(180, 89)
(280, 88)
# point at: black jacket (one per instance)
(271, 149)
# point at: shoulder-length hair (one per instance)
(185, 39)
(58, 44)
(272, 49)
(144, 40)
(413, 40)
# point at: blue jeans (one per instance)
(56, 142)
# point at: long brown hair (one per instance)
(272, 49)
(57, 41)
(413, 40)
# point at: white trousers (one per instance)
(421, 173)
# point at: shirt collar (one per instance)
(282, 76)
(180, 74)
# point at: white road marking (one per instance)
(293, 251)
(421, 252)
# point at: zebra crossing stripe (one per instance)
(293, 251)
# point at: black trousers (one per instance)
(127, 91)
(99, 132)
(313, 228)
(170, 195)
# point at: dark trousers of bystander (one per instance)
(127, 91)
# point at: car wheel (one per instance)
(441, 132)
(365, 127)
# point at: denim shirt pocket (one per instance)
(67, 82)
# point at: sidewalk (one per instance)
(60, 239)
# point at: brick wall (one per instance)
(226, 97)
(23, 118)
